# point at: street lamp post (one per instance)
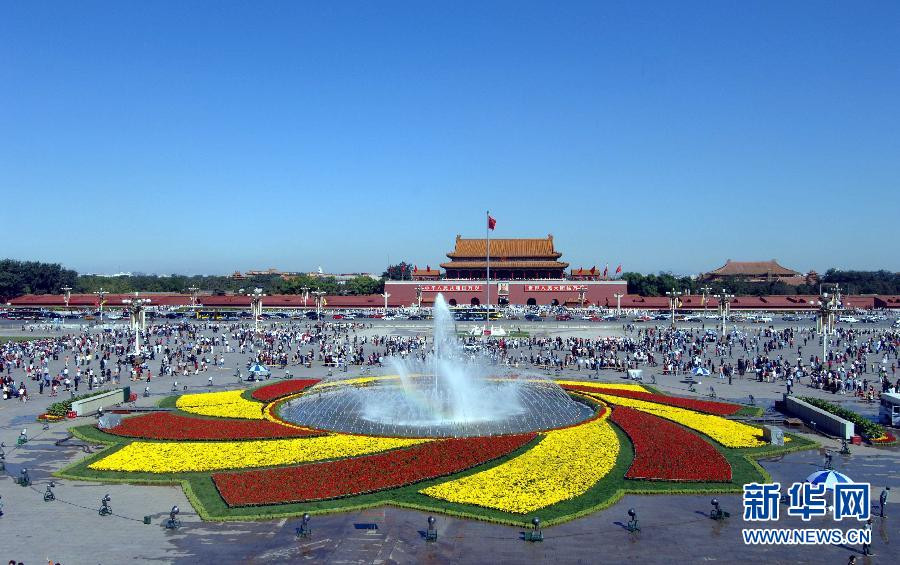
(418, 297)
(256, 307)
(138, 308)
(725, 300)
(829, 306)
(193, 290)
(319, 294)
(618, 296)
(101, 294)
(68, 294)
(385, 295)
(705, 290)
(673, 302)
(305, 290)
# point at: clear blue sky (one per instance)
(205, 137)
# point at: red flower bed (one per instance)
(666, 451)
(888, 439)
(165, 425)
(707, 406)
(370, 473)
(273, 391)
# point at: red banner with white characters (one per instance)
(452, 288)
(554, 287)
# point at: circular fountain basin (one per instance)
(390, 406)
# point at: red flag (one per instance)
(427, 267)
(492, 223)
(606, 270)
(618, 269)
(594, 270)
(415, 268)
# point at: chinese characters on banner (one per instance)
(452, 288)
(554, 287)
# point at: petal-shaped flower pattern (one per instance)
(565, 464)
(170, 457)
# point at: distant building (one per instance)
(756, 271)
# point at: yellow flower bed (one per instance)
(727, 432)
(177, 457)
(227, 404)
(565, 464)
(607, 386)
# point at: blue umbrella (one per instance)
(259, 370)
(700, 371)
(829, 478)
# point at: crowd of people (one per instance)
(861, 362)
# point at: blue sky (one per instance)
(198, 137)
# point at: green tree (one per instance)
(399, 272)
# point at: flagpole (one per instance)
(487, 232)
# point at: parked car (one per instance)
(533, 318)
(563, 317)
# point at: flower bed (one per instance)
(228, 404)
(706, 406)
(726, 432)
(863, 425)
(168, 426)
(187, 456)
(336, 479)
(666, 451)
(603, 387)
(887, 438)
(275, 391)
(566, 463)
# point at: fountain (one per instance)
(444, 392)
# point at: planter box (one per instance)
(824, 421)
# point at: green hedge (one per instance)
(866, 427)
(62, 407)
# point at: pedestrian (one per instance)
(852, 560)
(867, 546)
(882, 500)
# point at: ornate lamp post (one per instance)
(618, 296)
(385, 295)
(705, 290)
(256, 307)
(68, 294)
(725, 301)
(673, 302)
(319, 294)
(194, 291)
(305, 290)
(418, 297)
(829, 306)
(138, 308)
(101, 294)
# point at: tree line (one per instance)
(851, 282)
(34, 277)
